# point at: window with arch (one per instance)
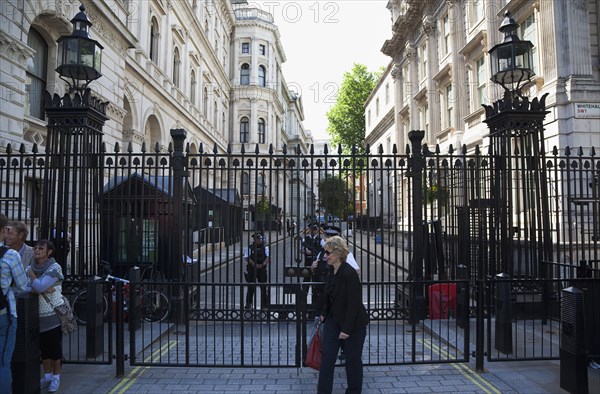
(244, 130)
(245, 74)
(261, 187)
(176, 66)
(262, 76)
(223, 126)
(154, 36)
(245, 183)
(261, 131)
(36, 75)
(205, 102)
(215, 114)
(193, 87)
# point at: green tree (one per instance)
(334, 196)
(347, 116)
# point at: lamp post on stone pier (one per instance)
(73, 179)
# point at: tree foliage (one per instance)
(334, 196)
(347, 116)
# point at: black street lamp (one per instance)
(73, 176)
(79, 56)
(512, 59)
(516, 136)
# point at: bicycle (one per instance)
(155, 305)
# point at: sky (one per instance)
(321, 41)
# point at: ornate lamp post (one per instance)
(80, 57)
(519, 187)
(73, 179)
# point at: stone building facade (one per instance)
(440, 73)
(211, 67)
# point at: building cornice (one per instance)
(382, 126)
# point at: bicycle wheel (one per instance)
(155, 306)
(79, 306)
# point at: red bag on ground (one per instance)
(313, 353)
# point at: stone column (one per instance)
(398, 79)
(433, 102)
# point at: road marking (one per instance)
(127, 382)
(463, 369)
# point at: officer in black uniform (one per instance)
(257, 260)
(311, 246)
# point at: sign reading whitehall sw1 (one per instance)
(587, 110)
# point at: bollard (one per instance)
(134, 310)
(94, 317)
(503, 337)
(25, 363)
(462, 297)
(573, 359)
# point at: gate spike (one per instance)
(340, 149)
(580, 151)
(380, 149)
(187, 148)
(9, 148)
(567, 151)
(271, 149)
(129, 147)
(243, 150)
(117, 148)
(256, 149)
(22, 148)
(157, 147)
(394, 149)
(407, 149)
(593, 152)
(555, 151)
(325, 150)
(367, 149)
(34, 149)
(201, 148)
(437, 149)
(215, 149)
(229, 148)
(312, 149)
(284, 149)
(451, 149)
(102, 147)
(298, 150)
(477, 150)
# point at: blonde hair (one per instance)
(338, 245)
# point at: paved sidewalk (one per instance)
(504, 377)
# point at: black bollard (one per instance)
(94, 314)
(573, 359)
(25, 363)
(503, 334)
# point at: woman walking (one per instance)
(344, 319)
(45, 279)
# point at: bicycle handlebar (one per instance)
(115, 278)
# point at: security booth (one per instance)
(138, 221)
(218, 216)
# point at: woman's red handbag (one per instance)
(313, 353)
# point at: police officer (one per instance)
(311, 245)
(256, 257)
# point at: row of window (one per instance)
(245, 75)
(245, 130)
(261, 187)
(262, 49)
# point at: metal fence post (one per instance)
(503, 307)
(416, 265)
(120, 340)
(177, 236)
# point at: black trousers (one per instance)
(330, 344)
(262, 277)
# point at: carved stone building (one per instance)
(211, 67)
(440, 74)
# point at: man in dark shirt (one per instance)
(256, 257)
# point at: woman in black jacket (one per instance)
(344, 318)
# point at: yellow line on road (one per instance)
(463, 369)
(127, 382)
